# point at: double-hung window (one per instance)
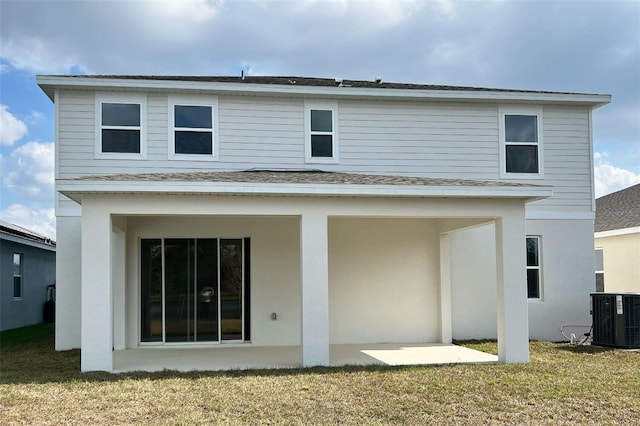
(193, 127)
(599, 269)
(321, 132)
(121, 126)
(534, 275)
(521, 143)
(17, 275)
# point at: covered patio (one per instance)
(259, 357)
(340, 263)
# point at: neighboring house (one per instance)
(276, 212)
(617, 241)
(27, 267)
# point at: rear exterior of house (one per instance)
(27, 268)
(209, 212)
(617, 241)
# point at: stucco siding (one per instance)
(568, 277)
(275, 270)
(383, 280)
(68, 283)
(621, 262)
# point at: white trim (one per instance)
(193, 100)
(321, 105)
(558, 215)
(504, 110)
(74, 188)
(617, 232)
(56, 133)
(132, 98)
(591, 164)
(538, 267)
(47, 82)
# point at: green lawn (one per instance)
(562, 384)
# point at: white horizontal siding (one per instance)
(436, 139)
(567, 158)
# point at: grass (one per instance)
(563, 384)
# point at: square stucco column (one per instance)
(97, 316)
(512, 307)
(315, 289)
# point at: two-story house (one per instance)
(305, 214)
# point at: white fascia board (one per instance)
(617, 232)
(74, 188)
(49, 82)
(26, 242)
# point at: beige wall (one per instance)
(383, 280)
(621, 262)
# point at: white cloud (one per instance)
(11, 128)
(610, 178)
(29, 171)
(42, 221)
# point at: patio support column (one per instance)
(315, 288)
(512, 307)
(97, 315)
(445, 289)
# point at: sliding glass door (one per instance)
(194, 290)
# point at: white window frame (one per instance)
(538, 267)
(193, 100)
(20, 275)
(599, 271)
(327, 106)
(121, 98)
(520, 110)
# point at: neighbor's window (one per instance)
(521, 143)
(599, 269)
(120, 128)
(321, 132)
(533, 267)
(17, 275)
(192, 128)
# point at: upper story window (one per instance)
(521, 143)
(193, 127)
(121, 126)
(321, 132)
(533, 267)
(17, 275)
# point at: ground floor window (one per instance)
(17, 275)
(599, 269)
(533, 267)
(194, 290)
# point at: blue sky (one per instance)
(586, 47)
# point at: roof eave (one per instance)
(75, 189)
(49, 83)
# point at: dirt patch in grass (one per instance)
(561, 385)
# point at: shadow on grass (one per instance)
(584, 349)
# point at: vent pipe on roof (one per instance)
(378, 80)
(242, 74)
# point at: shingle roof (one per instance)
(306, 81)
(618, 210)
(298, 177)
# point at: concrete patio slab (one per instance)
(254, 357)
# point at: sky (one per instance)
(569, 46)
